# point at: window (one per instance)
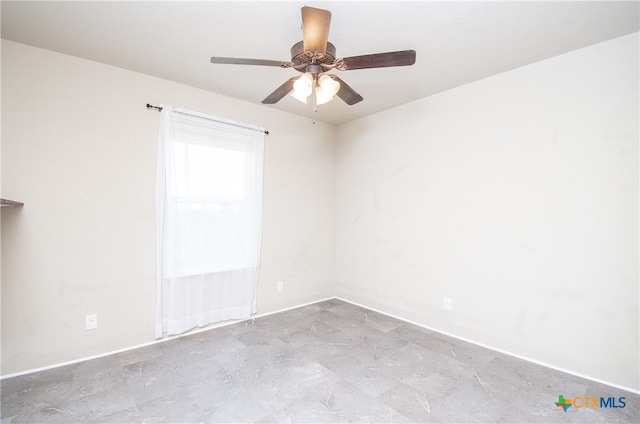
(209, 220)
(210, 201)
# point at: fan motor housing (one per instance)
(300, 57)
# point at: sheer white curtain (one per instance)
(209, 220)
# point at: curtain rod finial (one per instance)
(150, 106)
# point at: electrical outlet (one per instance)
(279, 286)
(91, 321)
(447, 303)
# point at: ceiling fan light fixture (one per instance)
(302, 87)
(315, 55)
(325, 90)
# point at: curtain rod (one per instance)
(159, 109)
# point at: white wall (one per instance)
(516, 196)
(79, 149)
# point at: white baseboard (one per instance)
(126, 349)
(214, 326)
(496, 349)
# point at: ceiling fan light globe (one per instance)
(302, 87)
(303, 84)
(328, 85)
(322, 96)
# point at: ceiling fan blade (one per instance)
(280, 92)
(378, 60)
(315, 29)
(346, 93)
(239, 61)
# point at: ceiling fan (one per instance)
(314, 56)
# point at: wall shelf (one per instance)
(5, 202)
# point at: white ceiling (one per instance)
(456, 42)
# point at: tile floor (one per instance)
(327, 362)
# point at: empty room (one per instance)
(320, 212)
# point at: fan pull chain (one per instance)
(315, 102)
